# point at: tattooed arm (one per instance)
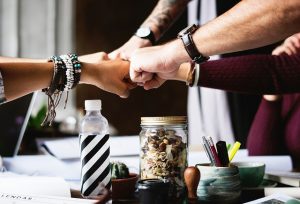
(164, 14)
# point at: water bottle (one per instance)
(95, 150)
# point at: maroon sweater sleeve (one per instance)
(253, 74)
(266, 133)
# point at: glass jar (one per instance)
(163, 143)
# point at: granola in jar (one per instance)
(164, 149)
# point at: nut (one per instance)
(162, 147)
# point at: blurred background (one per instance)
(39, 29)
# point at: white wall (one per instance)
(38, 29)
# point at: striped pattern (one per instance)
(95, 164)
(2, 95)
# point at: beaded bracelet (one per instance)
(77, 69)
(73, 70)
(57, 75)
(67, 70)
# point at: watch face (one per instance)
(143, 32)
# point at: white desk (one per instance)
(69, 169)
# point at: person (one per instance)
(251, 74)
(37, 74)
(215, 35)
(275, 129)
(247, 25)
(19, 77)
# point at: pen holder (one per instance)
(219, 184)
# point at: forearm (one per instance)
(13, 59)
(21, 78)
(253, 74)
(249, 24)
(164, 14)
(256, 74)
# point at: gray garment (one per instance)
(2, 95)
(208, 114)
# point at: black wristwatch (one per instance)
(186, 36)
(146, 33)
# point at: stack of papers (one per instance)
(288, 178)
(276, 199)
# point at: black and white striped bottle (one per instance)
(95, 150)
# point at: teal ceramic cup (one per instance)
(251, 173)
(219, 184)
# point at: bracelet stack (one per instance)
(67, 70)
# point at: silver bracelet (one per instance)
(197, 75)
(69, 72)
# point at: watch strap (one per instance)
(192, 50)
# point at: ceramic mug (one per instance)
(251, 173)
(219, 184)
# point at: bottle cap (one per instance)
(92, 104)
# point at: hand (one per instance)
(290, 46)
(109, 75)
(125, 51)
(179, 75)
(145, 62)
(114, 77)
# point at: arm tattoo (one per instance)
(165, 13)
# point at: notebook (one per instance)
(14, 117)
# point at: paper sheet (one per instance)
(276, 198)
(43, 165)
(37, 185)
(18, 198)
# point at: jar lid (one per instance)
(166, 120)
(153, 183)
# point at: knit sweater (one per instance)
(253, 74)
(276, 129)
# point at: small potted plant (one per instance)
(123, 182)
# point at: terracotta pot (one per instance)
(124, 188)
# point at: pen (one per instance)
(214, 152)
(222, 153)
(207, 146)
(234, 149)
(207, 154)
